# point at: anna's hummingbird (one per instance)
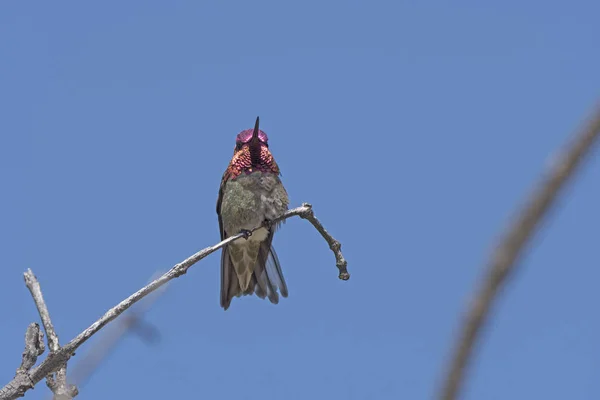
(250, 194)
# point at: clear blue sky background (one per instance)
(413, 129)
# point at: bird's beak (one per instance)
(256, 130)
(254, 144)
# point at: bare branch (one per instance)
(36, 292)
(58, 384)
(58, 359)
(34, 346)
(307, 213)
(503, 260)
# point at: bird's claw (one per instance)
(268, 224)
(246, 233)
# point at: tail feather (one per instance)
(230, 286)
(274, 272)
(267, 278)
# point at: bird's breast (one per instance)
(250, 199)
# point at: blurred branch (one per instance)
(85, 368)
(504, 258)
(132, 322)
(58, 382)
(58, 359)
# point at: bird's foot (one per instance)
(268, 224)
(246, 233)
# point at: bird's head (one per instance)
(252, 152)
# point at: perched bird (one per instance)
(251, 194)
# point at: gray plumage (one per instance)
(251, 265)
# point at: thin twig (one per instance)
(58, 384)
(307, 213)
(57, 360)
(503, 260)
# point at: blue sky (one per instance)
(414, 128)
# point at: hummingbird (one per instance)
(251, 195)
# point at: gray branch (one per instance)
(57, 360)
(307, 213)
(58, 383)
(34, 347)
(503, 260)
(36, 292)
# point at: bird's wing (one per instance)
(229, 281)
